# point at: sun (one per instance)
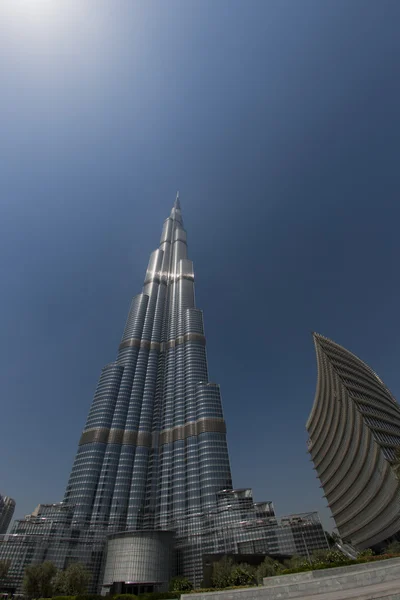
(27, 10)
(32, 20)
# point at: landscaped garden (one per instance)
(45, 582)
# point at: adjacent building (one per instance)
(354, 432)
(7, 507)
(150, 492)
(46, 534)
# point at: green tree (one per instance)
(393, 548)
(38, 580)
(242, 574)
(222, 571)
(295, 562)
(4, 568)
(60, 585)
(268, 568)
(77, 578)
(180, 584)
(335, 556)
(320, 555)
(30, 584)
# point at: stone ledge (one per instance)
(373, 580)
(322, 573)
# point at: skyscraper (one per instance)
(354, 430)
(154, 446)
(7, 507)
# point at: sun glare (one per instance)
(30, 7)
(41, 25)
(32, 13)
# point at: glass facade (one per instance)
(140, 561)
(238, 525)
(48, 534)
(154, 450)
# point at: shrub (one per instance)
(268, 568)
(4, 568)
(221, 573)
(296, 562)
(63, 597)
(60, 585)
(124, 597)
(180, 584)
(89, 597)
(320, 555)
(393, 548)
(303, 566)
(242, 574)
(365, 553)
(159, 596)
(38, 580)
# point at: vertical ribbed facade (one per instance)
(354, 430)
(153, 451)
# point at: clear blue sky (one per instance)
(278, 121)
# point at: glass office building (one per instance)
(354, 431)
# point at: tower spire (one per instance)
(177, 203)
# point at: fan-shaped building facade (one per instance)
(354, 431)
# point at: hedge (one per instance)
(159, 596)
(342, 563)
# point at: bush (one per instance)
(89, 597)
(180, 584)
(221, 573)
(38, 580)
(242, 574)
(393, 548)
(124, 597)
(159, 596)
(268, 568)
(303, 566)
(365, 553)
(63, 597)
(296, 562)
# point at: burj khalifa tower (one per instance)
(153, 451)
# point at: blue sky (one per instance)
(278, 121)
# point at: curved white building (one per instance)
(354, 430)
